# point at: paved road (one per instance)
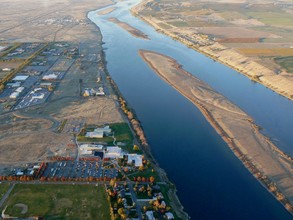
(138, 209)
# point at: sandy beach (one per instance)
(265, 161)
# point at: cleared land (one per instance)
(237, 128)
(59, 202)
(34, 133)
(132, 30)
(229, 32)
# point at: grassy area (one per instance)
(286, 63)
(3, 189)
(60, 201)
(147, 172)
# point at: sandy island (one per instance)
(266, 162)
(107, 11)
(133, 31)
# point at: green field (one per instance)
(59, 201)
(3, 189)
(286, 63)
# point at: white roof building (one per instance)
(113, 152)
(99, 132)
(169, 215)
(38, 96)
(14, 84)
(135, 158)
(87, 149)
(19, 89)
(150, 215)
(51, 76)
(14, 95)
(20, 78)
(95, 134)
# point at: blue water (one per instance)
(212, 183)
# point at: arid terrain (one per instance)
(271, 166)
(253, 37)
(34, 133)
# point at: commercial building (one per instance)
(113, 152)
(134, 159)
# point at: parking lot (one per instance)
(78, 169)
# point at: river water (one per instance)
(212, 183)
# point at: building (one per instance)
(14, 95)
(14, 84)
(87, 149)
(113, 152)
(20, 78)
(19, 89)
(150, 215)
(99, 132)
(134, 159)
(169, 215)
(94, 134)
(52, 76)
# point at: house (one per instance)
(150, 215)
(169, 215)
(134, 159)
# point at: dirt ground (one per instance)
(32, 134)
(55, 20)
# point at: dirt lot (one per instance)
(47, 21)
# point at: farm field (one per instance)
(266, 51)
(58, 202)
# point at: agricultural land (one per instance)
(253, 37)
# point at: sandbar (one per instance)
(132, 30)
(263, 159)
(106, 11)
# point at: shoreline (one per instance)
(172, 193)
(268, 80)
(259, 168)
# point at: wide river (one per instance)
(212, 183)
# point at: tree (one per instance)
(152, 179)
(135, 147)
(121, 211)
(112, 182)
(141, 168)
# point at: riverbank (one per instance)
(263, 159)
(138, 132)
(280, 83)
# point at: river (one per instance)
(212, 183)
